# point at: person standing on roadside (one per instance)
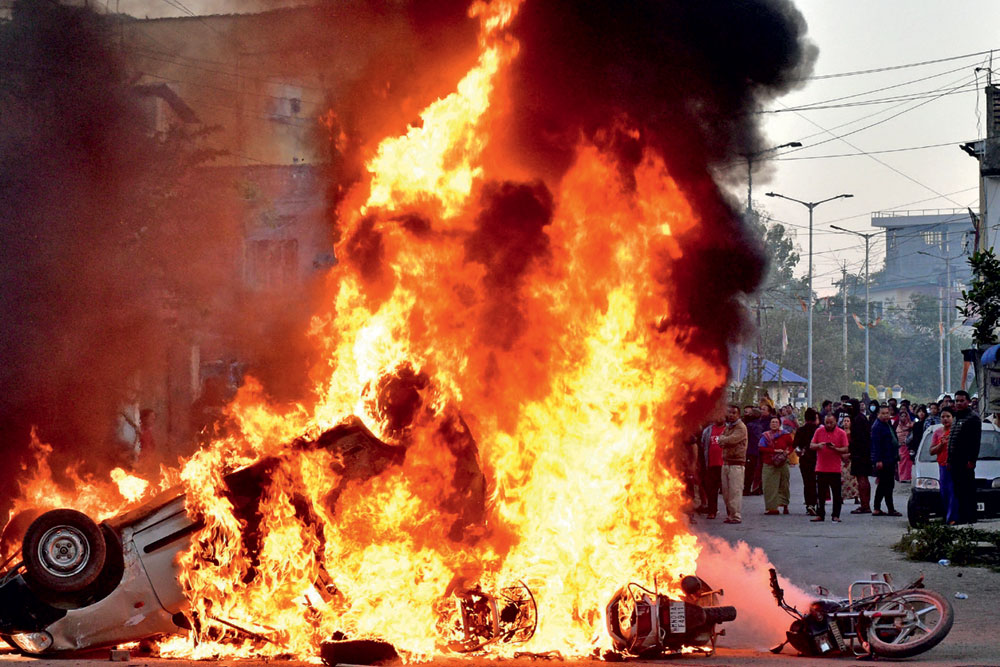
(734, 455)
(885, 453)
(807, 458)
(775, 446)
(756, 425)
(939, 446)
(904, 434)
(712, 480)
(861, 458)
(963, 452)
(830, 444)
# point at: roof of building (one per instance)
(769, 373)
(895, 219)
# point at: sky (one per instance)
(859, 35)
(931, 104)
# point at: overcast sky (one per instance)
(855, 35)
(852, 35)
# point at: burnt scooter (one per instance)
(646, 624)
(874, 620)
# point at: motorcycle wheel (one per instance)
(929, 617)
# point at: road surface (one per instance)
(806, 554)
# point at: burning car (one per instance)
(81, 585)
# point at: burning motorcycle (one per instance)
(646, 624)
(874, 620)
(474, 619)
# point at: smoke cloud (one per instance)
(681, 79)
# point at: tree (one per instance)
(982, 301)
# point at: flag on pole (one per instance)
(784, 338)
(857, 320)
(803, 304)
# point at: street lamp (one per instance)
(749, 157)
(868, 320)
(945, 334)
(810, 205)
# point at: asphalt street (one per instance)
(806, 554)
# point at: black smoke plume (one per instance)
(676, 77)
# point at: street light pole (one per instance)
(810, 205)
(868, 317)
(749, 157)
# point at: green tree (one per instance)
(982, 301)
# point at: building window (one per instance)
(272, 264)
(933, 238)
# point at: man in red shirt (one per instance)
(713, 465)
(830, 444)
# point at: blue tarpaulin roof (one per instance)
(990, 355)
(769, 372)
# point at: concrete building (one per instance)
(921, 248)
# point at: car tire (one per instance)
(64, 552)
(916, 515)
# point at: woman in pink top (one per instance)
(830, 444)
(939, 446)
(904, 429)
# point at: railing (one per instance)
(921, 211)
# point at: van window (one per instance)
(989, 447)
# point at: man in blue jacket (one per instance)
(885, 454)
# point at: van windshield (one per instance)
(989, 447)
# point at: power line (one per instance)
(860, 129)
(870, 92)
(967, 87)
(890, 68)
(861, 153)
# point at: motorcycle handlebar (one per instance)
(775, 587)
(720, 614)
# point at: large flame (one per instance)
(557, 380)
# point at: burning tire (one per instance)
(64, 552)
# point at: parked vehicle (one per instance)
(647, 624)
(874, 620)
(925, 495)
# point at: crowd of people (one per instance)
(838, 449)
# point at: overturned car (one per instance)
(80, 585)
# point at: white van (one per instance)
(925, 497)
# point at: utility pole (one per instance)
(941, 338)
(810, 205)
(944, 322)
(868, 317)
(749, 157)
(760, 348)
(843, 286)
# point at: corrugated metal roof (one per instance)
(769, 373)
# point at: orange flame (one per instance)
(536, 456)
(571, 423)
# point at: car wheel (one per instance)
(64, 552)
(916, 515)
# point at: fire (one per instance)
(523, 321)
(131, 487)
(566, 403)
(40, 490)
(440, 155)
